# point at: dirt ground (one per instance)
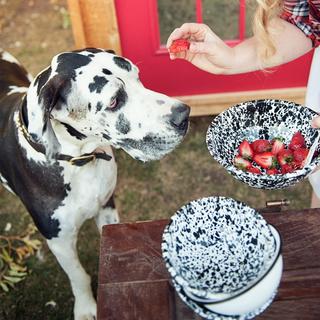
(34, 31)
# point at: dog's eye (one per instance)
(113, 103)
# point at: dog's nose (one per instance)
(179, 116)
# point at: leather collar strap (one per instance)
(76, 161)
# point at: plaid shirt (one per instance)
(305, 14)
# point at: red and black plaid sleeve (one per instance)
(305, 14)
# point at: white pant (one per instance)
(313, 102)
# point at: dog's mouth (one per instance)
(151, 147)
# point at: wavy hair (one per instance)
(262, 29)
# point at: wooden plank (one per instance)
(141, 301)
(209, 104)
(133, 248)
(305, 309)
(94, 24)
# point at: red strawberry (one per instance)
(241, 163)
(261, 145)
(254, 170)
(273, 171)
(265, 160)
(285, 156)
(245, 150)
(300, 156)
(277, 145)
(287, 168)
(297, 141)
(179, 46)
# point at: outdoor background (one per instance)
(34, 31)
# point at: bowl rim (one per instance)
(277, 250)
(232, 169)
(257, 281)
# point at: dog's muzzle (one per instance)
(179, 117)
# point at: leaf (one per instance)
(17, 273)
(4, 287)
(12, 279)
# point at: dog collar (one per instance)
(76, 161)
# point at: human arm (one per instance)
(209, 53)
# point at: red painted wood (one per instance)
(199, 11)
(140, 41)
(242, 19)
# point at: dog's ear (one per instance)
(40, 128)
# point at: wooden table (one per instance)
(134, 283)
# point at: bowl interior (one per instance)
(218, 244)
(259, 119)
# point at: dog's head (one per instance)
(96, 94)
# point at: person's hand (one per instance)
(315, 123)
(207, 51)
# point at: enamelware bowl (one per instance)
(220, 253)
(261, 119)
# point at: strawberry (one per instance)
(300, 156)
(287, 168)
(245, 150)
(254, 170)
(259, 146)
(273, 171)
(297, 141)
(266, 160)
(241, 163)
(277, 145)
(285, 156)
(179, 45)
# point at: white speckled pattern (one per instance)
(260, 119)
(218, 245)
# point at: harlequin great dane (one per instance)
(56, 133)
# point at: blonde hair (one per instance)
(262, 29)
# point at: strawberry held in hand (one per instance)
(179, 45)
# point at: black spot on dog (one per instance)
(110, 203)
(73, 132)
(107, 137)
(41, 79)
(89, 49)
(110, 51)
(122, 63)
(99, 106)
(91, 55)
(122, 124)
(106, 71)
(70, 61)
(98, 84)
(89, 106)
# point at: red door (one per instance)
(140, 40)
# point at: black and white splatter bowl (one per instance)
(261, 119)
(221, 255)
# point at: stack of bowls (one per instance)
(224, 258)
